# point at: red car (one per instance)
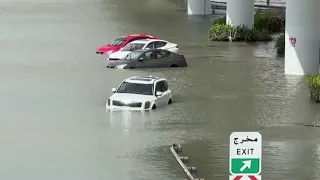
(121, 42)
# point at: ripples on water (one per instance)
(54, 88)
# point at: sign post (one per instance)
(245, 150)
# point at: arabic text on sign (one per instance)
(237, 141)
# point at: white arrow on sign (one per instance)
(246, 164)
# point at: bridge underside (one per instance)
(302, 34)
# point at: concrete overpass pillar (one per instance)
(302, 37)
(199, 7)
(240, 12)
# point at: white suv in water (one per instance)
(140, 93)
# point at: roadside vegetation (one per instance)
(280, 45)
(314, 86)
(265, 24)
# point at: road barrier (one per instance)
(190, 171)
(258, 4)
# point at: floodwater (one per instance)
(54, 87)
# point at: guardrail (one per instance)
(258, 4)
(176, 149)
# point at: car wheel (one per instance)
(154, 107)
(170, 101)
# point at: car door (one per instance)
(166, 94)
(162, 58)
(160, 101)
(146, 60)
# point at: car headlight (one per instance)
(107, 54)
(109, 102)
(120, 66)
(147, 105)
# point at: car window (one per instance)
(158, 55)
(160, 86)
(154, 55)
(133, 47)
(135, 88)
(118, 42)
(165, 86)
(162, 54)
(147, 55)
(159, 44)
(150, 46)
(132, 56)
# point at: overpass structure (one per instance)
(302, 29)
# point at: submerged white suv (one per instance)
(140, 93)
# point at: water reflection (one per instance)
(128, 121)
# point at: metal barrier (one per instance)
(258, 4)
(176, 149)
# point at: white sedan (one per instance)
(140, 93)
(144, 44)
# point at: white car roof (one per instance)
(143, 79)
(146, 41)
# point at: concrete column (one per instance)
(240, 12)
(302, 25)
(199, 7)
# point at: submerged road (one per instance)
(53, 123)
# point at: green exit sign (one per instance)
(245, 150)
(245, 166)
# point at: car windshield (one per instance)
(132, 56)
(133, 46)
(117, 42)
(135, 88)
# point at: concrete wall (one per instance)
(302, 24)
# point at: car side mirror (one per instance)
(113, 90)
(140, 59)
(158, 93)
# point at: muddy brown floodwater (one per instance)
(53, 123)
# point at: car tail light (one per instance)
(182, 58)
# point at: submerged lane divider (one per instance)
(176, 149)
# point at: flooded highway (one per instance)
(53, 122)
